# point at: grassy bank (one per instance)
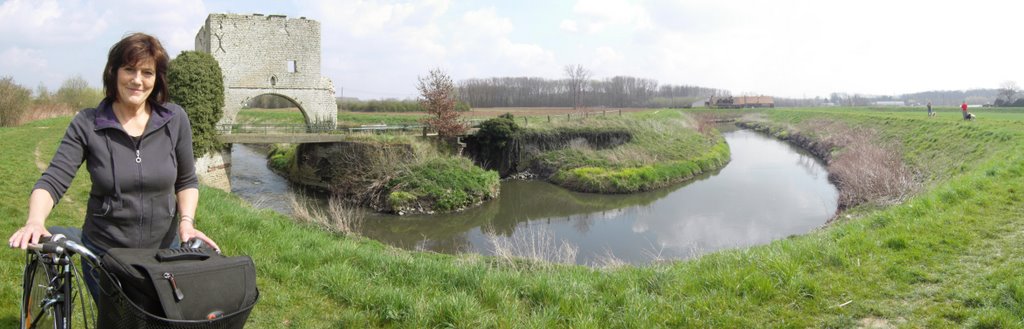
(664, 147)
(393, 174)
(948, 256)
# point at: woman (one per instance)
(138, 150)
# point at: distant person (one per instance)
(963, 108)
(930, 112)
(137, 149)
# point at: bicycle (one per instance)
(48, 297)
(52, 287)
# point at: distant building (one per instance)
(730, 102)
(889, 103)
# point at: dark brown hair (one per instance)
(132, 50)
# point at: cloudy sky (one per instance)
(376, 49)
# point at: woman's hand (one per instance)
(27, 234)
(187, 232)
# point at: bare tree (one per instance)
(1008, 91)
(77, 93)
(578, 77)
(438, 92)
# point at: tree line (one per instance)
(579, 90)
(389, 105)
(19, 104)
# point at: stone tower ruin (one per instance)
(269, 54)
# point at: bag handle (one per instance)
(169, 255)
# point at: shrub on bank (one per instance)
(281, 157)
(441, 184)
(391, 177)
(14, 101)
(195, 82)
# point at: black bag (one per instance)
(184, 283)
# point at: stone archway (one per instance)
(272, 54)
(235, 101)
(264, 54)
(248, 101)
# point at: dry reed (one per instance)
(533, 243)
(865, 169)
(337, 218)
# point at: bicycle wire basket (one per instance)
(116, 311)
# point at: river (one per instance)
(769, 190)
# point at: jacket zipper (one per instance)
(138, 162)
(178, 295)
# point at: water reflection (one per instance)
(768, 191)
(253, 181)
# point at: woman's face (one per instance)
(135, 83)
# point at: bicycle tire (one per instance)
(37, 278)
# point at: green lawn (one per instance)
(949, 257)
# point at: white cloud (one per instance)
(29, 67)
(569, 26)
(601, 15)
(485, 23)
(175, 23)
(794, 48)
(482, 38)
(29, 59)
(606, 56)
(48, 22)
(376, 49)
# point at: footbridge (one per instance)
(301, 133)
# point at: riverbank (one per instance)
(601, 153)
(401, 175)
(865, 169)
(391, 174)
(947, 256)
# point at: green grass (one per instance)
(948, 257)
(447, 184)
(666, 148)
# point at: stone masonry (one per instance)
(269, 54)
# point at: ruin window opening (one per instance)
(292, 68)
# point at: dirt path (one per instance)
(39, 160)
(41, 165)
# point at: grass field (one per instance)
(949, 256)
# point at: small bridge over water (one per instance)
(301, 133)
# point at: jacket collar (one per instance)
(105, 117)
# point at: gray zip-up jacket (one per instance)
(133, 202)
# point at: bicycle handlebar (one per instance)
(58, 244)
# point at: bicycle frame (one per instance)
(54, 258)
(56, 299)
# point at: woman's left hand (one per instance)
(187, 232)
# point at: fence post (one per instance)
(526, 121)
(549, 118)
(620, 112)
